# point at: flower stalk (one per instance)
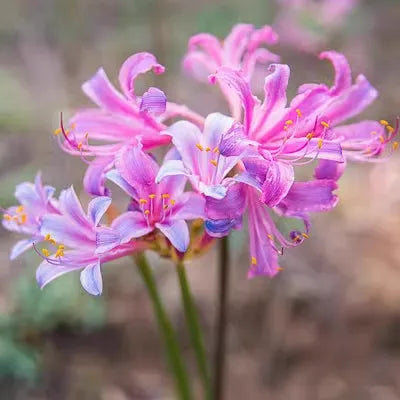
(168, 334)
(219, 355)
(194, 329)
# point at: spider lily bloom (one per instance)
(72, 237)
(163, 206)
(310, 124)
(120, 119)
(35, 201)
(201, 160)
(241, 50)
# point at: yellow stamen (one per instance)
(208, 148)
(23, 218)
(152, 196)
(279, 269)
(79, 146)
(298, 112)
(213, 162)
(289, 122)
(216, 150)
(61, 247)
(7, 217)
(172, 201)
(381, 139)
(142, 201)
(310, 135)
(165, 195)
(165, 206)
(395, 145)
(146, 212)
(73, 126)
(20, 209)
(253, 260)
(200, 147)
(59, 253)
(305, 235)
(47, 237)
(45, 252)
(383, 122)
(57, 131)
(325, 124)
(320, 143)
(390, 128)
(270, 237)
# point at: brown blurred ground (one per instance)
(328, 328)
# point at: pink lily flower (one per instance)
(73, 236)
(163, 206)
(35, 201)
(241, 51)
(120, 120)
(283, 135)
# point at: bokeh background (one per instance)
(328, 328)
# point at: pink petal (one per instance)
(153, 101)
(100, 90)
(135, 65)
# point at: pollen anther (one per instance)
(395, 145)
(165, 195)
(325, 124)
(383, 122)
(298, 112)
(142, 201)
(253, 260)
(310, 135)
(213, 162)
(320, 143)
(200, 147)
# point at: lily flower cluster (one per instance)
(217, 170)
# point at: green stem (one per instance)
(195, 332)
(170, 340)
(222, 317)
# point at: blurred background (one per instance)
(327, 328)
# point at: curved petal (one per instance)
(222, 227)
(138, 169)
(185, 137)
(177, 233)
(230, 207)
(264, 257)
(350, 102)
(100, 90)
(131, 224)
(70, 206)
(312, 196)
(97, 208)
(91, 279)
(191, 205)
(278, 180)
(215, 126)
(115, 177)
(199, 65)
(106, 239)
(214, 191)
(47, 272)
(65, 231)
(329, 170)
(153, 101)
(94, 179)
(209, 44)
(135, 65)
(20, 247)
(236, 83)
(236, 42)
(275, 99)
(342, 70)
